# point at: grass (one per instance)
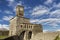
(57, 38)
(2, 37)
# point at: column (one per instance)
(26, 36)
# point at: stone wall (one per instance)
(13, 25)
(19, 24)
(45, 36)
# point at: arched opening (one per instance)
(21, 36)
(29, 35)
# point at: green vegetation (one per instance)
(2, 37)
(57, 38)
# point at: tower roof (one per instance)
(19, 6)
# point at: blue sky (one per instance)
(45, 12)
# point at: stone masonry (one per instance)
(21, 26)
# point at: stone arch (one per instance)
(29, 35)
(21, 36)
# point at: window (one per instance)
(25, 25)
(31, 26)
(21, 26)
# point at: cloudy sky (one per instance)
(45, 12)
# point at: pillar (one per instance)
(26, 35)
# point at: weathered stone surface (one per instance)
(19, 24)
(45, 36)
(25, 30)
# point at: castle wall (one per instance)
(19, 24)
(13, 24)
(45, 36)
(37, 28)
(22, 20)
(23, 29)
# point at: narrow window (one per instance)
(21, 26)
(31, 26)
(25, 25)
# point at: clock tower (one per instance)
(20, 11)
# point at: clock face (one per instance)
(21, 9)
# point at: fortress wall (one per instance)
(45, 36)
(13, 24)
(37, 28)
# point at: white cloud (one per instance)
(14, 3)
(7, 18)
(20, 3)
(58, 30)
(56, 5)
(55, 13)
(45, 31)
(40, 10)
(48, 2)
(4, 26)
(32, 21)
(27, 7)
(8, 12)
(10, 0)
(50, 21)
(54, 16)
